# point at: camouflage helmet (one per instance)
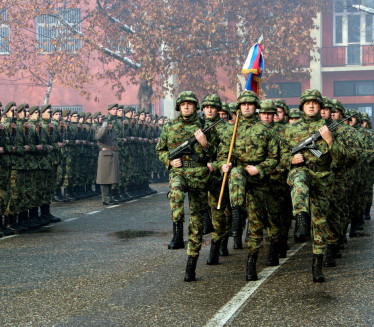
(226, 109)
(327, 102)
(310, 95)
(357, 114)
(268, 106)
(295, 113)
(365, 116)
(232, 107)
(280, 103)
(247, 97)
(212, 100)
(338, 106)
(187, 96)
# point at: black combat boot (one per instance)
(223, 250)
(25, 221)
(360, 222)
(177, 241)
(251, 267)
(3, 229)
(273, 255)
(236, 221)
(190, 275)
(353, 229)
(367, 212)
(317, 268)
(207, 222)
(282, 248)
(301, 227)
(57, 196)
(69, 194)
(14, 226)
(34, 215)
(124, 196)
(213, 258)
(330, 258)
(45, 211)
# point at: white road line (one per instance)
(10, 236)
(132, 201)
(116, 205)
(234, 305)
(160, 192)
(70, 219)
(93, 212)
(146, 197)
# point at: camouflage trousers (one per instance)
(251, 191)
(72, 167)
(221, 218)
(5, 173)
(61, 173)
(310, 193)
(20, 188)
(280, 208)
(193, 181)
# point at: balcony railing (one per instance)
(351, 55)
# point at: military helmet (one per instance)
(280, 103)
(310, 95)
(113, 105)
(65, 112)
(247, 97)
(365, 116)
(45, 107)
(187, 96)
(268, 106)
(295, 113)
(338, 106)
(212, 100)
(327, 102)
(226, 109)
(21, 107)
(232, 107)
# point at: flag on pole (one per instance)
(254, 65)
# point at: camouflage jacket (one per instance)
(5, 158)
(255, 144)
(301, 130)
(177, 131)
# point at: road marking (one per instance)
(237, 302)
(10, 236)
(132, 201)
(146, 197)
(161, 192)
(116, 205)
(93, 212)
(70, 219)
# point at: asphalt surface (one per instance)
(110, 266)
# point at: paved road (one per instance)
(111, 267)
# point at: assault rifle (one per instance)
(13, 129)
(186, 146)
(310, 142)
(38, 130)
(50, 129)
(2, 131)
(25, 127)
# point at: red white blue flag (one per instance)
(254, 65)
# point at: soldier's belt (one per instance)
(240, 163)
(192, 164)
(108, 149)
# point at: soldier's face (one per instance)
(247, 109)
(57, 116)
(353, 121)
(292, 120)
(210, 112)
(326, 113)
(187, 108)
(160, 121)
(311, 108)
(113, 111)
(128, 114)
(74, 118)
(142, 116)
(34, 115)
(266, 117)
(336, 115)
(120, 113)
(46, 114)
(280, 115)
(21, 114)
(223, 114)
(364, 124)
(148, 118)
(233, 117)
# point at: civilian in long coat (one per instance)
(108, 162)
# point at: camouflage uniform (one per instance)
(311, 180)
(192, 177)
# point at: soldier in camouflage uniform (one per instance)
(6, 150)
(295, 115)
(310, 178)
(187, 174)
(255, 155)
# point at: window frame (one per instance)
(4, 26)
(355, 85)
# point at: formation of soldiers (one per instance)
(313, 165)
(48, 154)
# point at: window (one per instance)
(4, 32)
(53, 35)
(71, 108)
(352, 26)
(353, 88)
(286, 90)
